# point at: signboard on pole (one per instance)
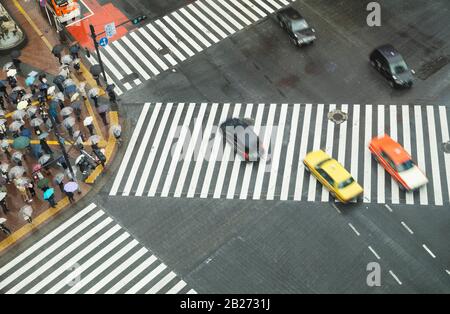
(103, 42)
(110, 30)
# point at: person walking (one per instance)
(45, 146)
(26, 212)
(71, 197)
(25, 194)
(103, 116)
(52, 202)
(30, 188)
(4, 206)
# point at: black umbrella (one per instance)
(15, 54)
(76, 105)
(59, 79)
(103, 108)
(110, 87)
(57, 49)
(75, 48)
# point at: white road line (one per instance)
(148, 50)
(42, 255)
(380, 170)
(429, 251)
(118, 91)
(235, 12)
(85, 265)
(267, 143)
(67, 265)
(316, 146)
(388, 207)
(138, 286)
(407, 228)
(116, 271)
(130, 149)
(249, 167)
(395, 192)
(227, 153)
(192, 146)
(447, 271)
(367, 155)
(183, 34)
(275, 4)
(354, 229)
(445, 138)
(177, 152)
(110, 66)
(165, 152)
(217, 19)
(374, 253)
(143, 59)
(336, 208)
(129, 277)
(166, 42)
(162, 283)
(264, 6)
(100, 269)
(255, 8)
(342, 139)
(207, 21)
(225, 14)
(199, 25)
(157, 46)
(420, 152)
(120, 62)
(245, 10)
(407, 143)
(131, 59)
(176, 39)
(192, 291)
(276, 153)
(64, 226)
(434, 157)
(192, 30)
(202, 151)
(290, 153)
(177, 288)
(302, 154)
(355, 142)
(395, 277)
(237, 162)
(213, 153)
(329, 149)
(58, 257)
(142, 147)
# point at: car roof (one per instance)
(335, 170)
(234, 122)
(388, 51)
(292, 13)
(394, 150)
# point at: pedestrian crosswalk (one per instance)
(89, 253)
(176, 150)
(165, 42)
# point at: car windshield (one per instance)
(299, 25)
(405, 166)
(59, 2)
(346, 183)
(399, 67)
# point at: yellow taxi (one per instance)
(333, 176)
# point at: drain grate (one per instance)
(337, 116)
(446, 147)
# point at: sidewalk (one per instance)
(37, 56)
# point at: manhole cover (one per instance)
(337, 116)
(446, 147)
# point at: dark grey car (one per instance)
(296, 26)
(238, 133)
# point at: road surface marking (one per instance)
(445, 139)
(367, 155)
(224, 14)
(395, 192)
(129, 58)
(355, 142)
(255, 8)
(428, 250)
(192, 30)
(234, 12)
(143, 59)
(407, 228)
(329, 149)
(316, 146)
(436, 175)
(388, 207)
(420, 151)
(207, 21)
(354, 229)
(174, 38)
(175, 289)
(138, 286)
(183, 34)
(302, 154)
(156, 45)
(407, 144)
(380, 170)
(199, 25)
(395, 277)
(335, 207)
(374, 253)
(447, 271)
(162, 283)
(217, 19)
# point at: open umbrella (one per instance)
(3, 121)
(18, 89)
(67, 111)
(49, 193)
(36, 122)
(17, 156)
(16, 172)
(59, 96)
(93, 92)
(37, 167)
(59, 177)
(15, 126)
(88, 121)
(2, 196)
(27, 96)
(71, 187)
(32, 111)
(26, 212)
(70, 89)
(76, 105)
(21, 181)
(59, 79)
(57, 49)
(51, 90)
(69, 122)
(8, 66)
(22, 105)
(43, 183)
(43, 135)
(5, 144)
(116, 130)
(103, 108)
(67, 59)
(4, 167)
(44, 159)
(74, 97)
(19, 114)
(21, 142)
(15, 54)
(68, 82)
(2, 113)
(30, 80)
(11, 72)
(95, 139)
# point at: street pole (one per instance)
(63, 149)
(100, 62)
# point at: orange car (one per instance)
(66, 10)
(396, 160)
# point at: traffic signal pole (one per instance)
(100, 62)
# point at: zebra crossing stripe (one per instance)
(367, 154)
(183, 34)
(355, 142)
(436, 174)
(162, 283)
(316, 146)
(407, 143)
(445, 138)
(199, 25)
(380, 170)
(302, 155)
(157, 46)
(146, 48)
(192, 30)
(225, 14)
(329, 149)
(420, 151)
(179, 41)
(144, 281)
(395, 197)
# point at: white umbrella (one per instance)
(22, 105)
(94, 92)
(51, 90)
(11, 72)
(67, 59)
(74, 97)
(88, 121)
(19, 114)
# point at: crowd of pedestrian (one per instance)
(30, 117)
